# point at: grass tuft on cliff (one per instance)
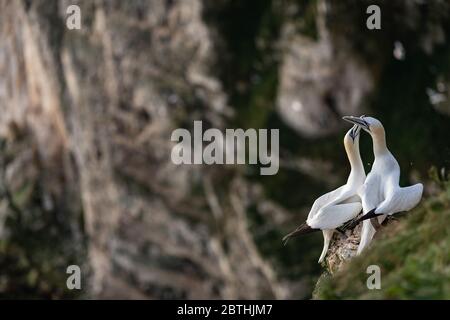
(413, 255)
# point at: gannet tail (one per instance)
(327, 235)
(302, 229)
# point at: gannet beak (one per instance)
(355, 132)
(357, 121)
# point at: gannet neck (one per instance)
(356, 165)
(379, 142)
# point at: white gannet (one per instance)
(381, 194)
(337, 207)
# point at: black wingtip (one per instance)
(302, 229)
(369, 215)
(349, 225)
(286, 238)
(354, 222)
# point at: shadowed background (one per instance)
(86, 118)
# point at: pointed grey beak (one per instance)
(355, 132)
(356, 120)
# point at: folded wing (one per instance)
(326, 199)
(335, 215)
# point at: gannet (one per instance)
(337, 207)
(381, 194)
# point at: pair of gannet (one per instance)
(381, 194)
(378, 194)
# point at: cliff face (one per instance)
(96, 109)
(100, 105)
(86, 119)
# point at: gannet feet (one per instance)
(375, 223)
(389, 219)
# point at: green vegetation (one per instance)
(413, 254)
(41, 227)
(38, 243)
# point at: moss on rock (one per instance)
(413, 255)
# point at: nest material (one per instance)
(344, 246)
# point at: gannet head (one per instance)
(352, 135)
(351, 145)
(368, 124)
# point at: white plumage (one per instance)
(381, 194)
(337, 207)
